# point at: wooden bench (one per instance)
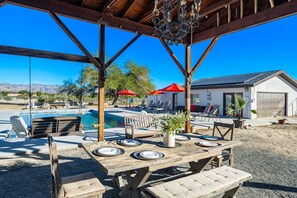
(57, 126)
(210, 183)
(140, 126)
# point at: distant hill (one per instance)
(52, 89)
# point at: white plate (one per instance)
(207, 144)
(151, 154)
(130, 142)
(181, 137)
(109, 151)
(211, 138)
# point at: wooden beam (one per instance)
(216, 6)
(241, 9)
(218, 19)
(271, 3)
(107, 5)
(280, 11)
(110, 61)
(229, 13)
(172, 55)
(101, 83)
(85, 14)
(42, 54)
(188, 78)
(126, 8)
(148, 13)
(213, 42)
(74, 39)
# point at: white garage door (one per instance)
(271, 104)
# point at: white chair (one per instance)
(18, 126)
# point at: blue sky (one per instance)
(271, 46)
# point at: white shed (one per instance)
(270, 93)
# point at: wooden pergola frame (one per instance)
(220, 17)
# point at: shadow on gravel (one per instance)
(270, 186)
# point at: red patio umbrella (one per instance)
(127, 92)
(156, 92)
(173, 88)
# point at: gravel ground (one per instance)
(269, 153)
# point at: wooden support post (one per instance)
(241, 8)
(188, 88)
(101, 85)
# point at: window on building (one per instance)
(194, 98)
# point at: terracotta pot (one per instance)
(239, 123)
(169, 140)
(281, 121)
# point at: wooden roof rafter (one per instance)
(219, 17)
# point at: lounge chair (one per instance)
(206, 110)
(19, 126)
(151, 105)
(142, 105)
(83, 185)
(164, 108)
(214, 113)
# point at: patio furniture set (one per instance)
(131, 162)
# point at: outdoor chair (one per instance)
(223, 130)
(165, 107)
(142, 105)
(214, 113)
(159, 104)
(19, 126)
(151, 104)
(83, 185)
(206, 110)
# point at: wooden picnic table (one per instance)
(197, 157)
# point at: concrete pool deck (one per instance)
(12, 147)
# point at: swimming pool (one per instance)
(88, 118)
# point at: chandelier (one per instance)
(173, 30)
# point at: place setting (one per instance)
(108, 151)
(129, 142)
(182, 138)
(148, 155)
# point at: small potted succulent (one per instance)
(170, 125)
(236, 110)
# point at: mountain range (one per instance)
(52, 89)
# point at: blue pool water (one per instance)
(88, 119)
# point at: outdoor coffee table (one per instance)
(197, 157)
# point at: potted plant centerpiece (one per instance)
(236, 110)
(170, 125)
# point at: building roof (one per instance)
(240, 80)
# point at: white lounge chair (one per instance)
(18, 126)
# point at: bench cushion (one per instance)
(215, 181)
(80, 185)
